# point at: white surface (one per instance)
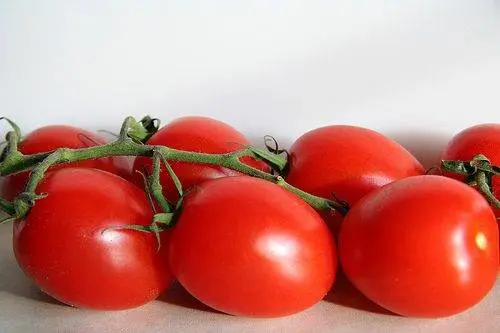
(418, 71)
(25, 309)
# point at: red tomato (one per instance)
(425, 246)
(66, 247)
(480, 139)
(347, 162)
(247, 247)
(197, 134)
(50, 138)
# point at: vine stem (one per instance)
(484, 187)
(477, 172)
(7, 206)
(126, 145)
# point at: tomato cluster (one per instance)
(416, 244)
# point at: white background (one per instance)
(418, 71)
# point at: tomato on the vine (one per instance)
(71, 245)
(196, 134)
(347, 163)
(248, 247)
(49, 138)
(424, 246)
(479, 139)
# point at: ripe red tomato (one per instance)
(425, 246)
(347, 162)
(66, 247)
(50, 138)
(480, 139)
(197, 134)
(247, 247)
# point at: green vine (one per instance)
(478, 172)
(130, 142)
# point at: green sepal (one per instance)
(7, 206)
(24, 202)
(164, 220)
(139, 131)
(14, 126)
(459, 167)
(8, 219)
(173, 176)
(277, 162)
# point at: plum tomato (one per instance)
(247, 247)
(70, 246)
(347, 162)
(424, 246)
(196, 134)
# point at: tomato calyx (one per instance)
(7, 207)
(144, 129)
(21, 205)
(478, 172)
(14, 126)
(273, 147)
(10, 152)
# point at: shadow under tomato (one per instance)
(179, 296)
(12, 279)
(14, 282)
(345, 294)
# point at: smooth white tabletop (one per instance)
(23, 308)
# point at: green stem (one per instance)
(126, 146)
(155, 185)
(478, 172)
(66, 155)
(7, 206)
(173, 176)
(317, 202)
(484, 187)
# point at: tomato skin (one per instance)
(52, 137)
(479, 139)
(66, 247)
(196, 134)
(247, 247)
(347, 162)
(425, 246)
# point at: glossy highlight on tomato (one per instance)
(71, 247)
(49, 138)
(196, 134)
(347, 163)
(247, 247)
(424, 246)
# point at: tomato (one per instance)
(50, 138)
(197, 134)
(480, 139)
(347, 162)
(424, 246)
(247, 247)
(69, 246)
